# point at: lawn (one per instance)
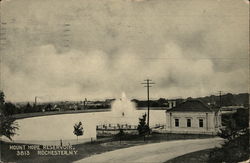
(88, 149)
(197, 157)
(236, 150)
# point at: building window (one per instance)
(176, 122)
(188, 122)
(200, 122)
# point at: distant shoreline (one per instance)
(39, 114)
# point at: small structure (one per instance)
(171, 104)
(230, 109)
(193, 117)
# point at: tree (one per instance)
(142, 127)
(120, 134)
(78, 129)
(2, 101)
(2, 97)
(236, 149)
(8, 126)
(28, 108)
(48, 107)
(10, 109)
(236, 124)
(162, 102)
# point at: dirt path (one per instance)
(156, 152)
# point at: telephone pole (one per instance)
(148, 84)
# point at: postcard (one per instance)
(161, 81)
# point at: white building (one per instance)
(193, 117)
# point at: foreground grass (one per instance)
(233, 151)
(197, 157)
(97, 147)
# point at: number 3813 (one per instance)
(23, 153)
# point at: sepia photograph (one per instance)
(124, 81)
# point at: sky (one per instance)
(97, 49)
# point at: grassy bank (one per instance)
(236, 150)
(88, 149)
(197, 157)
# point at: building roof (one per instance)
(191, 106)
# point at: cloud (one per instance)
(76, 75)
(97, 49)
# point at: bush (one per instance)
(235, 150)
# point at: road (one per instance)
(156, 152)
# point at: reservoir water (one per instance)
(58, 129)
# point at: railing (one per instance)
(125, 126)
(116, 127)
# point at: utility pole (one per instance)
(148, 84)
